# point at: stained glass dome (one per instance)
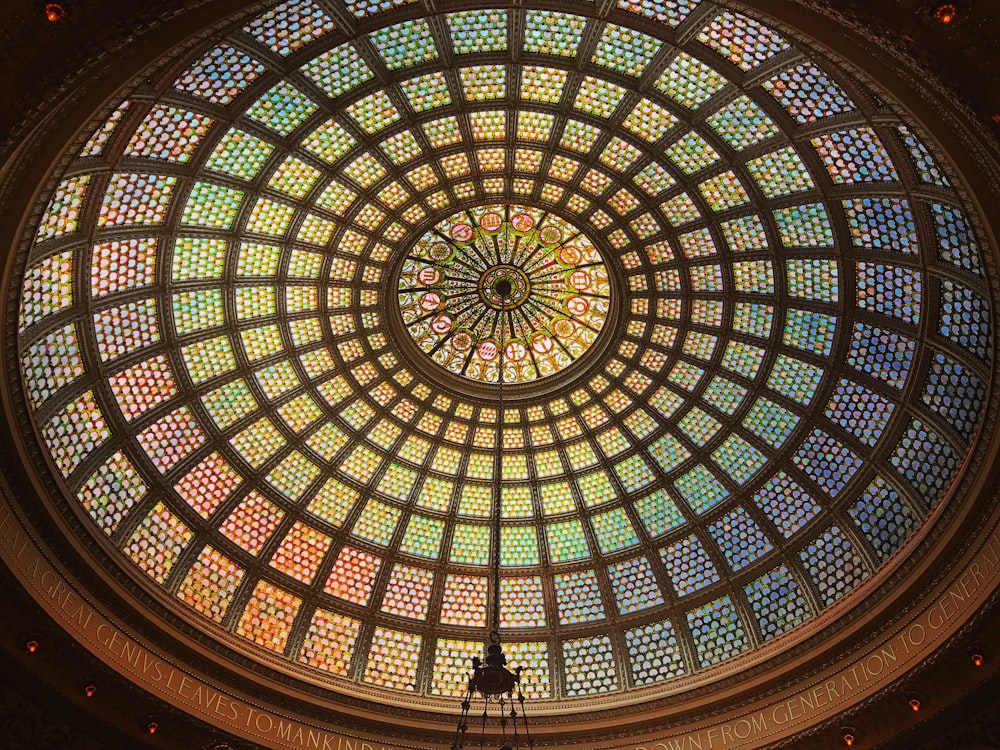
(743, 308)
(499, 288)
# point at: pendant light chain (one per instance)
(498, 506)
(497, 686)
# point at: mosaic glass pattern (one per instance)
(654, 653)
(504, 285)
(261, 362)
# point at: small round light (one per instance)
(54, 12)
(31, 645)
(946, 13)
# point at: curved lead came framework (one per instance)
(261, 308)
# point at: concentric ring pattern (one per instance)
(796, 375)
(499, 287)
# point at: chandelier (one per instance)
(492, 685)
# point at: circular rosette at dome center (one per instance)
(504, 284)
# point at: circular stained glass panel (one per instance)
(504, 285)
(799, 355)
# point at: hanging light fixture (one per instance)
(492, 684)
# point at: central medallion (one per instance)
(504, 287)
(504, 284)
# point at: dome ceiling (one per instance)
(742, 312)
(503, 292)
